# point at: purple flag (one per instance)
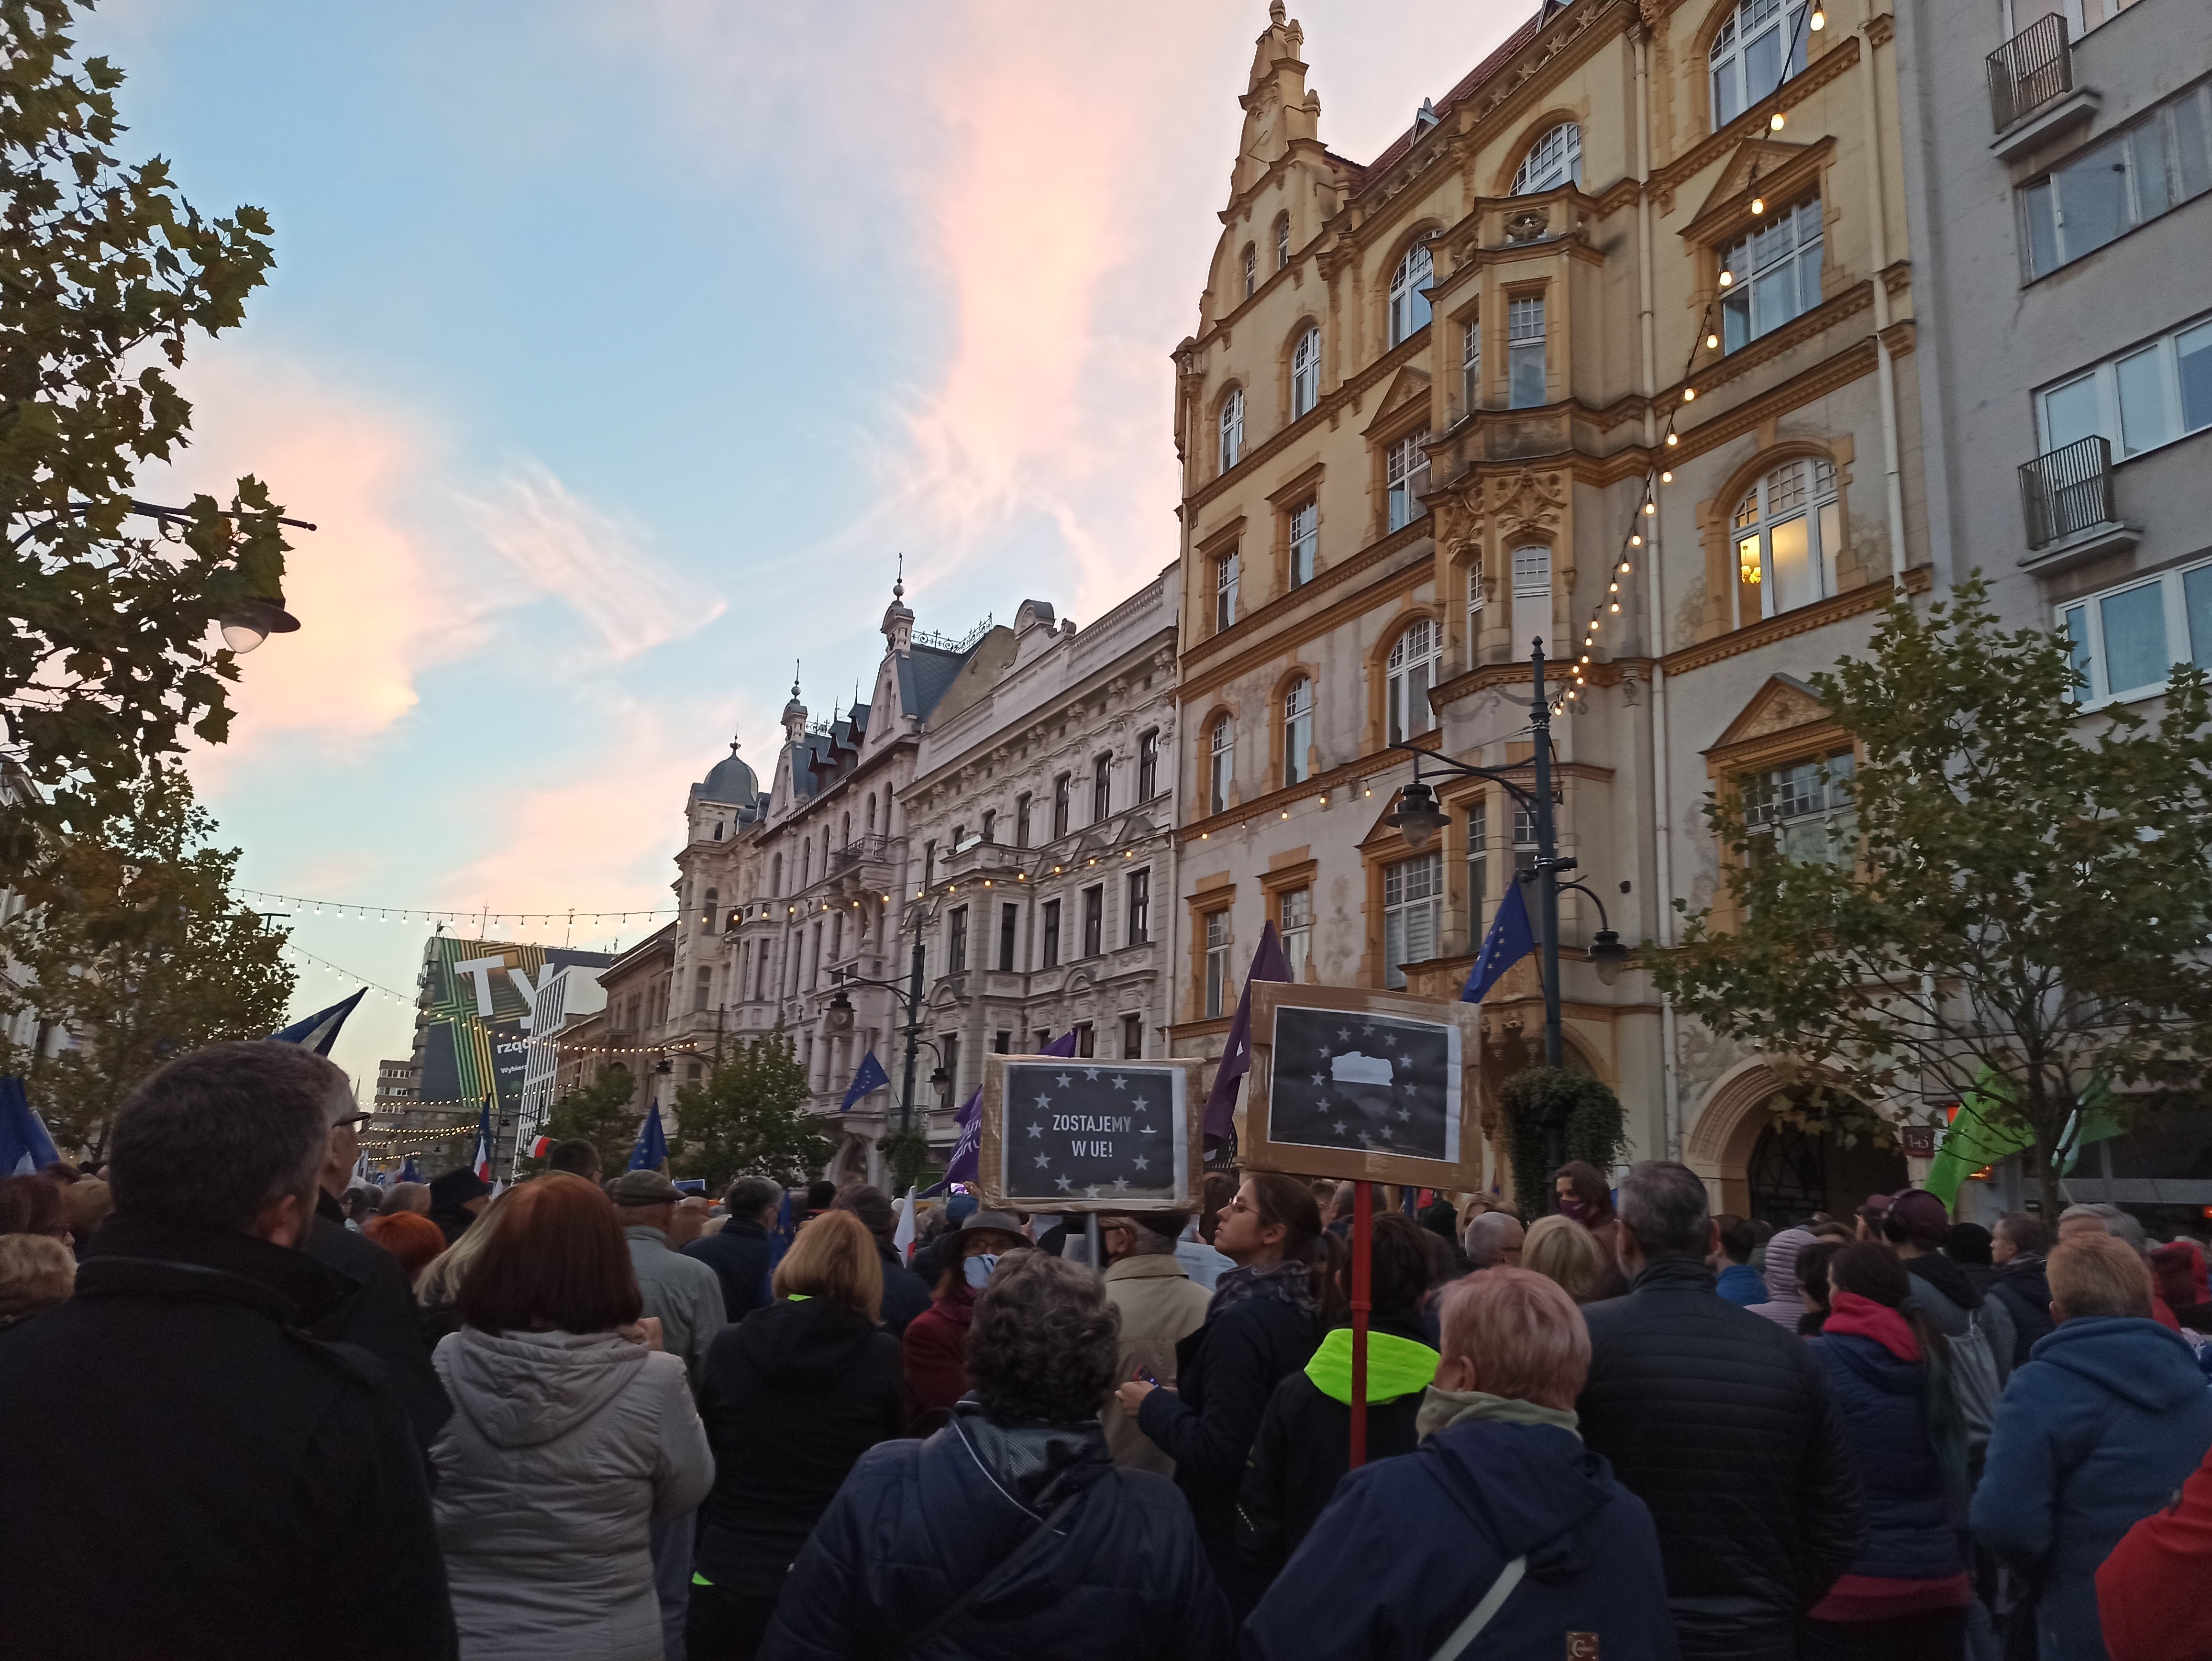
(1268, 964)
(967, 1152)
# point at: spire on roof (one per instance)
(795, 713)
(899, 620)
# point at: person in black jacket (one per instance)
(1009, 1535)
(457, 1199)
(905, 1293)
(1303, 1445)
(791, 1399)
(1720, 1421)
(738, 1252)
(1261, 1326)
(255, 1491)
(2018, 1246)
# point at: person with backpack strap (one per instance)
(1979, 1330)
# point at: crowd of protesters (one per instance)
(256, 1407)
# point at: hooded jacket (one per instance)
(1740, 1283)
(253, 1492)
(1784, 1304)
(2150, 1591)
(2024, 1289)
(1303, 1445)
(1410, 1545)
(918, 1524)
(790, 1399)
(1943, 1292)
(562, 1450)
(1723, 1423)
(2108, 1419)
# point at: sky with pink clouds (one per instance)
(617, 351)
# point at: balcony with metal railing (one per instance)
(2066, 496)
(2032, 95)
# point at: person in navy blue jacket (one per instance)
(2100, 1428)
(1500, 1494)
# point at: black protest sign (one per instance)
(1082, 1135)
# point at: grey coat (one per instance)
(562, 1450)
(683, 1292)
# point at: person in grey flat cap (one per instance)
(682, 1291)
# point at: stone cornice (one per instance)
(1853, 362)
(1806, 618)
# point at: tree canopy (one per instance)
(749, 1118)
(2016, 909)
(604, 1112)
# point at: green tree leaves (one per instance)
(747, 1117)
(1589, 1115)
(605, 1112)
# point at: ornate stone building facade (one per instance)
(1603, 350)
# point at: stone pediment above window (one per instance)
(1767, 167)
(1408, 388)
(1782, 705)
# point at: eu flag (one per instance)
(26, 1149)
(870, 1077)
(1510, 939)
(652, 1150)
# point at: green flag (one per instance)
(1976, 1138)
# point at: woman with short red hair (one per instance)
(569, 1438)
(411, 1237)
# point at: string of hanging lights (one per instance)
(354, 909)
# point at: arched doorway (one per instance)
(1793, 1173)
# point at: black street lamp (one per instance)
(837, 1017)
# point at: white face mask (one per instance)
(978, 1269)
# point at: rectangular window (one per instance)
(1010, 924)
(1405, 469)
(1470, 365)
(1413, 902)
(1138, 914)
(2149, 397)
(1086, 1040)
(1531, 598)
(1093, 921)
(817, 955)
(1803, 813)
(956, 946)
(2127, 640)
(1002, 1044)
(1295, 913)
(1051, 958)
(1774, 275)
(1224, 590)
(1062, 789)
(1525, 849)
(948, 1045)
(703, 996)
(1133, 1037)
(1101, 787)
(1217, 961)
(1524, 353)
(2127, 179)
(929, 864)
(1305, 538)
(1477, 867)
(1148, 763)
(1022, 820)
(1043, 1037)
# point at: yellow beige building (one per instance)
(1644, 254)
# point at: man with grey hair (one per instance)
(1721, 1422)
(1493, 1240)
(254, 1489)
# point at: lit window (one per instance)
(1789, 534)
(1297, 731)
(1531, 598)
(1224, 590)
(1802, 813)
(1217, 961)
(1406, 472)
(1296, 929)
(1412, 905)
(1554, 159)
(1232, 428)
(2126, 641)
(1524, 352)
(1409, 305)
(1222, 765)
(1761, 46)
(1470, 364)
(1305, 372)
(2149, 397)
(2107, 190)
(1778, 275)
(1305, 538)
(1413, 671)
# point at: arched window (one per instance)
(1232, 428)
(1409, 306)
(1413, 672)
(1282, 240)
(845, 831)
(1297, 731)
(1554, 159)
(1789, 533)
(1305, 372)
(1221, 764)
(1761, 46)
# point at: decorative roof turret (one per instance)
(795, 713)
(899, 620)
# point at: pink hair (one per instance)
(1523, 1334)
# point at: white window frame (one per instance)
(1524, 352)
(1305, 372)
(2077, 24)
(1216, 964)
(1410, 673)
(1775, 273)
(1413, 913)
(2163, 137)
(1476, 599)
(1282, 240)
(1470, 363)
(1405, 476)
(2163, 356)
(1297, 730)
(1836, 813)
(1251, 270)
(1804, 488)
(1221, 763)
(1225, 579)
(1750, 24)
(1532, 583)
(1295, 907)
(2087, 614)
(1409, 305)
(1232, 428)
(1555, 159)
(1305, 541)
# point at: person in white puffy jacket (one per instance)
(571, 1434)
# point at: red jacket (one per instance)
(935, 1343)
(2150, 1591)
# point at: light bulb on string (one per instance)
(1615, 606)
(1624, 568)
(1774, 121)
(1613, 588)
(1672, 439)
(1666, 478)
(1758, 206)
(1635, 540)
(1712, 341)
(1727, 278)
(1819, 20)
(1649, 507)
(1689, 394)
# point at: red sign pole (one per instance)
(1363, 1229)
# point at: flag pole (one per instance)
(1363, 1229)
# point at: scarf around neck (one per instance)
(1441, 1408)
(1287, 1282)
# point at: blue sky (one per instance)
(618, 351)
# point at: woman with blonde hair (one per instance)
(793, 1395)
(1569, 1255)
(438, 1288)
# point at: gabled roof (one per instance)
(1471, 83)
